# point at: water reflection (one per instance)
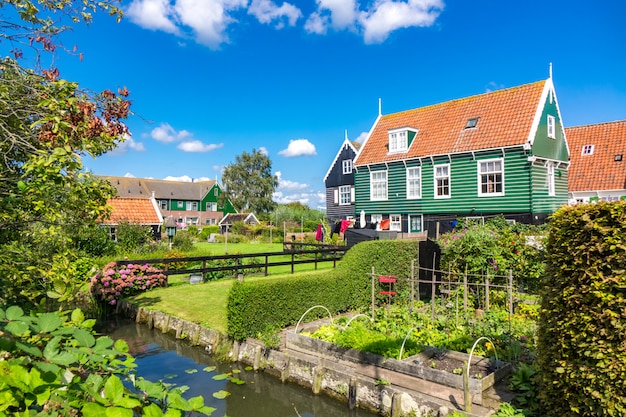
(161, 356)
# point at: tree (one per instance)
(249, 183)
(47, 125)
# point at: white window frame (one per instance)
(345, 195)
(376, 219)
(211, 206)
(378, 186)
(587, 150)
(180, 204)
(413, 182)
(346, 166)
(551, 126)
(437, 177)
(551, 179)
(485, 163)
(395, 222)
(163, 204)
(421, 222)
(398, 140)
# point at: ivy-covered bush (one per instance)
(131, 237)
(348, 287)
(53, 365)
(582, 326)
(116, 282)
(183, 241)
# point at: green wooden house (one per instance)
(502, 152)
(187, 203)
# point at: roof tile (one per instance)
(133, 210)
(505, 119)
(600, 170)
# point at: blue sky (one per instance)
(210, 79)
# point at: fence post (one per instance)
(465, 291)
(266, 264)
(510, 292)
(412, 285)
(292, 261)
(204, 270)
(316, 260)
(432, 294)
(373, 293)
(487, 293)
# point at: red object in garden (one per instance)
(387, 279)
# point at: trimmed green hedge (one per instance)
(255, 306)
(582, 329)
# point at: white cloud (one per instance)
(288, 185)
(266, 11)
(388, 15)
(338, 14)
(166, 134)
(264, 151)
(197, 146)
(129, 175)
(209, 21)
(361, 138)
(152, 14)
(127, 145)
(298, 147)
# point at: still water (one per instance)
(161, 357)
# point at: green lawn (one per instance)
(204, 304)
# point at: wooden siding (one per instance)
(463, 185)
(336, 177)
(542, 202)
(336, 211)
(545, 147)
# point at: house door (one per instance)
(415, 223)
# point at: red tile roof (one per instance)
(600, 170)
(133, 210)
(505, 118)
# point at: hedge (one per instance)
(582, 328)
(255, 306)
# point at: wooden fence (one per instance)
(319, 254)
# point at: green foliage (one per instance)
(94, 241)
(131, 237)
(493, 249)
(173, 254)
(53, 364)
(348, 287)
(249, 183)
(182, 241)
(582, 330)
(524, 382)
(507, 410)
(206, 232)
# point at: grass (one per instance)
(204, 304)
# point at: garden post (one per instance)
(266, 264)
(412, 285)
(465, 291)
(373, 292)
(487, 293)
(467, 396)
(510, 292)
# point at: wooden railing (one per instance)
(316, 255)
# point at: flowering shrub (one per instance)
(117, 282)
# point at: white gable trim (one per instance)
(345, 143)
(548, 92)
(367, 138)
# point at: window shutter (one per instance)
(336, 196)
(352, 194)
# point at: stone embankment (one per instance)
(378, 387)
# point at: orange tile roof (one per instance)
(505, 119)
(133, 210)
(598, 171)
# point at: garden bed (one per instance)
(431, 372)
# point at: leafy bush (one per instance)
(116, 282)
(206, 232)
(173, 254)
(130, 237)
(348, 287)
(582, 330)
(52, 364)
(94, 241)
(183, 241)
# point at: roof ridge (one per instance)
(595, 124)
(448, 102)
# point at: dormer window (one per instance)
(400, 139)
(471, 123)
(551, 127)
(618, 157)
(587, 150)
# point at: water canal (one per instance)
(162, 357)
